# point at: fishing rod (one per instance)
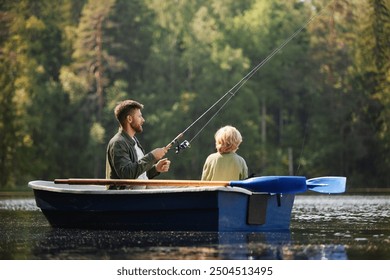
(232, 92)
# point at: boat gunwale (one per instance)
(99, 189)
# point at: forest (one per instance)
(320, 106)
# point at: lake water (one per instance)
(336, 227)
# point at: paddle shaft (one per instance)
(131, 182)
(270, 184)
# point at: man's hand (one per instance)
(163, 165)
(159, 152)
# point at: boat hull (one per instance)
(176, 209)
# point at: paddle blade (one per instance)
(273, 184)
(331, 184)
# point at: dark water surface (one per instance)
(322, 227)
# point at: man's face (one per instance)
(137, 121)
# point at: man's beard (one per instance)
(137, 128)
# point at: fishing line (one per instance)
(185, 144)
(216, 113)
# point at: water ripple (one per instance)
(20, 204)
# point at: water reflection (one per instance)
(323, 227)
(112, 244)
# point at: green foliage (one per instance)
(325, 97)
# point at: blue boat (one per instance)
(253, 205)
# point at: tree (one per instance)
(371, 77)
(319, 106)
(202, 66)
(7, 120)
(32, 55)
(281, 95)
(89, 57)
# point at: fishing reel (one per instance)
(182, 146)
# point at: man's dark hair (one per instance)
(125, 108)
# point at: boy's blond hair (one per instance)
(227, 139)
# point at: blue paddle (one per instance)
(292, 184)
(330, 184)
(268, 184)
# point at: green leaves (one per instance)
(321, 103)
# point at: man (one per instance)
(125, 157)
